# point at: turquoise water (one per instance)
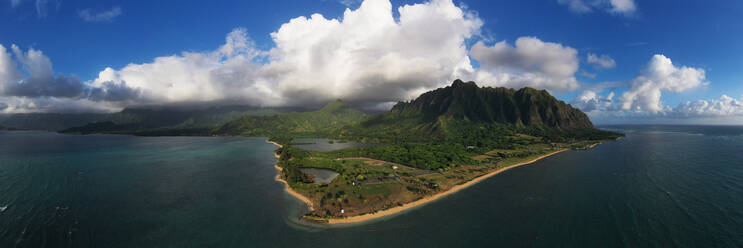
(658, 187)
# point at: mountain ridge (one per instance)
(523, 107)
(324, 121)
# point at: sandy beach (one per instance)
(428, 199)
(286, 184)
(396, 210)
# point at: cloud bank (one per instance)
(367, 57)
(28, 84)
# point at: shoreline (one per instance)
(407, 206)
(288, 188)
(428, 199)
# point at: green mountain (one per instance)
(323, 122)
(468, 102)
(462, 113)
(164, 121)
(465, 110)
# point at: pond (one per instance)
(321, 175)
(325, 145)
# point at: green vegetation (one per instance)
(168, 121)
(320, 123)
(443, 138)
(429, 156)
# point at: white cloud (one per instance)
(725, 106)
(621, 7)
(643, 96)
(660, 75)
(15, 105)
(367, 57)
(8, 69)
(603, 61)
(38, 87)
(588, 74)
(590, 101)
(226, 73)
(105, 16)
(531, 62)
(624, 7)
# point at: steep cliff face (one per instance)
(468, 102)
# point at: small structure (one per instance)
(394, 167)
(343, 211)
(471, 147)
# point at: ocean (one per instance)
(661, 186)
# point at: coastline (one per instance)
(395, 210)
(288, 188)
(428, 199)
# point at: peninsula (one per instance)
(444, 141)
(437, 144)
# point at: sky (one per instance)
(620, 61)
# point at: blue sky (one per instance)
(83, 38)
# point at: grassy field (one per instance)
(366, 185)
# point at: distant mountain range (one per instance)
(459, 111)
(164, 121)
(322, 122)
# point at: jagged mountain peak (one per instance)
(469, 102)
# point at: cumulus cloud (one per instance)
(366, 56)
(38, 84)
(601, 61)
(644, 93)
(531, 62)
(228, 72)
(105, 16)
(725, 106)
(590, 101)
(622, 7)
(660, 75)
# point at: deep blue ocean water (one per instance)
(661, 186)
